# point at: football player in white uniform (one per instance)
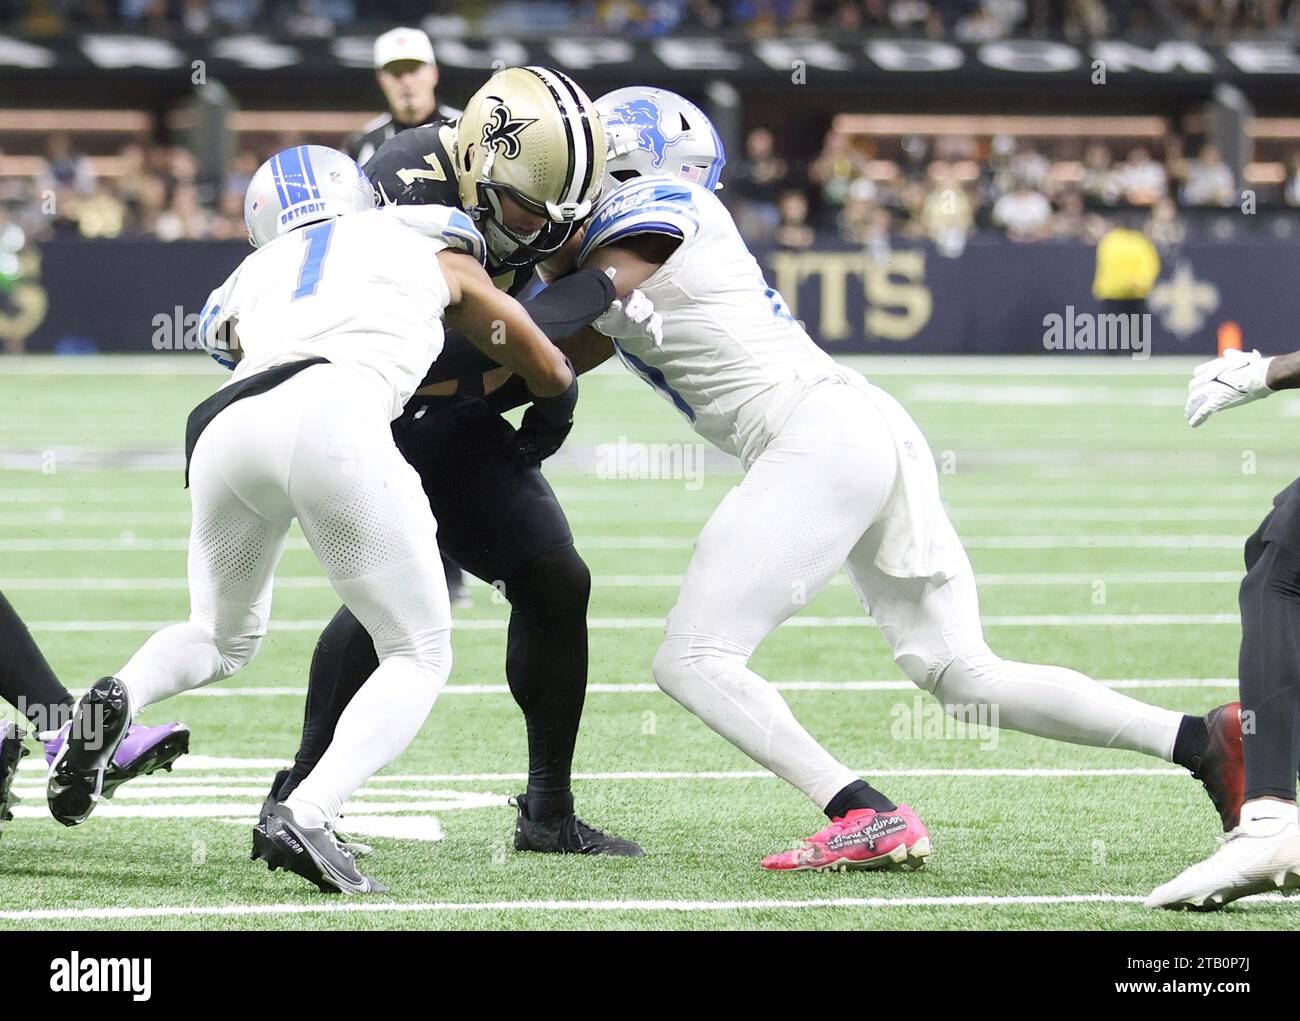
(836, 475)
(336, 317)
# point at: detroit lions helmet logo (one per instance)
(502, 131)
(643, 116)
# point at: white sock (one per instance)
(380, 721)
(1262, 815)
(1058, 703)
(745, 709)
(173, 660)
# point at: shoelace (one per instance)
(836, 827)
(587, 831)
(341, 844)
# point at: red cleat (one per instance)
(863, 839)
(1221, 769)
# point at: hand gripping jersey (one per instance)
(363, 290)
(733, 360)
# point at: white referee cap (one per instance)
(403, 44)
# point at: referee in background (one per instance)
(408, 75)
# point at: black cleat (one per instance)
(12, 749)
(567, 834)
(261, 844)
(76, 778)
(313, 853)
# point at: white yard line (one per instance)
(1104, 540)
(61, 515)
(599, 581)
(646, 688)
(200, 763)
(652, 623)
(355, 907)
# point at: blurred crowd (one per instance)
(155, 191)
(961, 20)
(946, 188)
(941, 190)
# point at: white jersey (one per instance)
(363, 291)
(733, 360)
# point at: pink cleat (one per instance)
(863, 839)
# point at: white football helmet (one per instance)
(656, 132)
(301, 185)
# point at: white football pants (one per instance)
(317, 448)
(805, 509)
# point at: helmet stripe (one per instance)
(585, 112)
(304, 154)
(567, 116)
(715, 171)
(277, 176)
(291, 174)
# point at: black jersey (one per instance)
(366, 142)
(415, 167)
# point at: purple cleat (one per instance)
(12, 749)
(143, 750)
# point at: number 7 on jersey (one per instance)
(318, 243)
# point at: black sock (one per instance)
(546, 666)
(858, 794)
(1191, 742)
(545, 806)
(1269, 669)
(26, 680)
(344, 659)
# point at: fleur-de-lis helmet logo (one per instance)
(501, 132)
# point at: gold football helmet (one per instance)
(530, 133)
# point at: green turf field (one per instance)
(1107, 535)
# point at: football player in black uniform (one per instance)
(526, 161)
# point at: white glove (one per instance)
(633, 314)
(1236, 378)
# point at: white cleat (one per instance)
(1264, 859)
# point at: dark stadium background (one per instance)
(878, 149)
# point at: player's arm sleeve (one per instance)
(560, 310)
(657, 207)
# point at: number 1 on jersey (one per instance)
(318, 243)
